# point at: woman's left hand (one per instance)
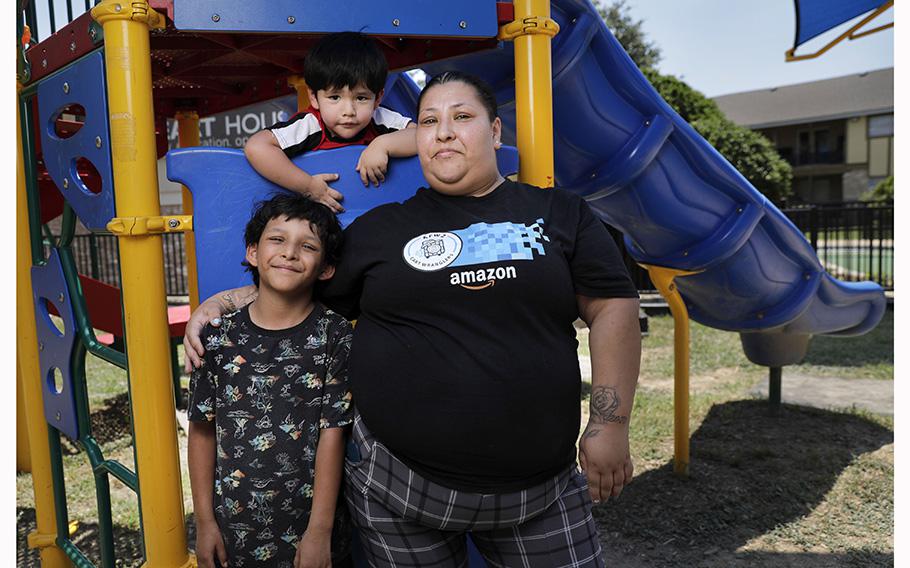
(605, 459)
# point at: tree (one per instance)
(644, 53)
(884, 191)
(749, 152)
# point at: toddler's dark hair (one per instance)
(295, 206)
(345, 59)
(482, 88)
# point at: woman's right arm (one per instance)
(214, 307)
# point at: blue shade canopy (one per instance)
(815, 17)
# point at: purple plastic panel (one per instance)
(55, 348)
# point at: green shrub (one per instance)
(884, 191)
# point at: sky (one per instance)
(720, 46)
(730, 46)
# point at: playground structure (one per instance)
(580, 113)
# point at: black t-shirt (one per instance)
(464, 357)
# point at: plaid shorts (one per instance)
(405, 520)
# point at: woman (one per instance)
(464, 367)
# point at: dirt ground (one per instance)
(752, 475)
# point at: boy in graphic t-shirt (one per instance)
(269, 404)
(345, 74)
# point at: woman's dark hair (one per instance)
(482, 88)
(295, 206)
(345, 59)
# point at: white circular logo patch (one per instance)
(432, 251)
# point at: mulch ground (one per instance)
(750, 472)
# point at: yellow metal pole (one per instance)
(663, 279)
(129, 86)
(303, 98)
(532, 30)
(23, 460)
(45, 534)
(187, 137)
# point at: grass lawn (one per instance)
(806, 487)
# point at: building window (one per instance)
(805, 148)
(882, 125)
(820, 146)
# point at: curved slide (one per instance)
(680, 204)
(642, 168)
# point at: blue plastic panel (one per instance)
(225, 187)
(467, 18)
(815, 17)
(81, 83)
(55, 349)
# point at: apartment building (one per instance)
(838, 134)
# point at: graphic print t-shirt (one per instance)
(269, 393)
(464, 361)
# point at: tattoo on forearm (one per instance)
(604, 404)
(590, 433)
(250, 297)
(229, 302)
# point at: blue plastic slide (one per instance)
(678, 201)
(642, 168)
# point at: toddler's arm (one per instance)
(315, 548)
(201, 458)
(374, 161)
(267, 158)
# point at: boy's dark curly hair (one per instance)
(295, 206)
(345, 59)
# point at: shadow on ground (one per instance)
(127, 542)
(749, 473)
(110, 422)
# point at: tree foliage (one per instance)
(690, 104)
(629, 33)
(884, 191)
(749, 152)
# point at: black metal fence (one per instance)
(854, 241)
(97, 257)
